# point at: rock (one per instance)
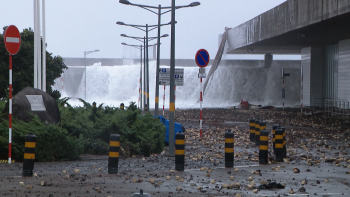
(296, 170)
(250, 187)
(167, 177)
(21, 108)
(255, 191)
(21, 183)
(291, 191)
(327, 181)
(302, 189)
(76, 170)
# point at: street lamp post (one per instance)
(140, 47)
(140, 27)
(146, 7)
(86, 53)
(144, 43)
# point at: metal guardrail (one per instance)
(318, 102)
(337, 107)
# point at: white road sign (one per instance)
(164, 76)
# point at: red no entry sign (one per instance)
(12, 39)
(202, 58)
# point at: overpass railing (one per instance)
(335, 107)
(318, 102)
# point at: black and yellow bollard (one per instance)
(284, 142)
(180, 151)
(252, 129)
(274, 127)
(264, 147)
(113, 159)
(229, 149)
(121, 106)
(279, 144)
(146, 108)
(257, 132)
(29, 154)
(262, 125)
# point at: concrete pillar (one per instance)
(344, 70)
(268, 60)
(311, 61)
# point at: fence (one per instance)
(336, 107)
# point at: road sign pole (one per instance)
(10, 107)
(202, 59)
(163, 99)
(12, 40)
(200, 115)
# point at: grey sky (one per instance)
(75, 26)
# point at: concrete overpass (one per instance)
(319, 30)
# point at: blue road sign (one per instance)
(202, 58)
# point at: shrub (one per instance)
(86, 129)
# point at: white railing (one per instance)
(337, 107)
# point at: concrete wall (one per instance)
(286, 17)
(72, 61)
(344, 70)
(311, 62)
(178, 62)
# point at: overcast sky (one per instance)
(75, 26)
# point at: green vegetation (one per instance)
(86, 130)
(23, 66)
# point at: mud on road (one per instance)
(317, 146)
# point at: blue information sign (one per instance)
(202, 58)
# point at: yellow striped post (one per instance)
(274, 127)
(29, 155)
(229, 149)
(113, 159)
(180, 151)
(257, 132)
(252, 129)
(284, 142)
(264, 147)
(279, 145)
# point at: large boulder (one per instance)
(35, 102)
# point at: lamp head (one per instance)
(120, 23)
(123, 35)
(165, 35)
(126, 2)
(97, 50)
(123, 43)
(193, 4)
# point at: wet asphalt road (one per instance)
(318, 146)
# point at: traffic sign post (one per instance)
(12, 40)
(202, 60)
